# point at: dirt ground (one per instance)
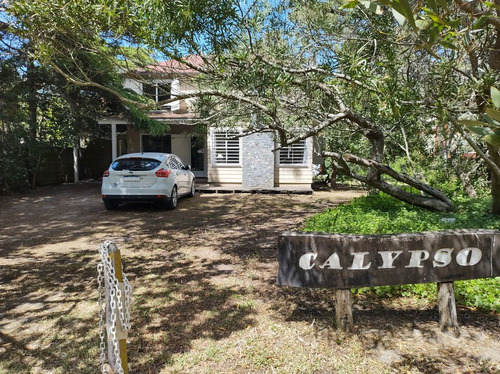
(205, 298)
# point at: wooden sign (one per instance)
(348, 261)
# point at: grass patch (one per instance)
(383, 214)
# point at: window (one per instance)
(293, 154)
(158, 91)
(226, 147)
(175, 164)
(135, 164)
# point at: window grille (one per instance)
(226, 147)
(293, 154)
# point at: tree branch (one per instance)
(387, 170)
(494, 168)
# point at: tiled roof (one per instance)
(174, 66)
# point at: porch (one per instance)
(205, 187)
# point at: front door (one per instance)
(198, 156)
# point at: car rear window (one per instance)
(138, 164)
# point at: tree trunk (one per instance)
(333, 178)
(426, 202)
(495, 180)
(494, 62)
(433, 200)
(32, 122)
(35, 171)
(377, 140)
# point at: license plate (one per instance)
(131, 178)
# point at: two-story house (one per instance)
(217, 157)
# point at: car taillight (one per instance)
(163, 173)
(106, 173)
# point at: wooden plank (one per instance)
(347, 261)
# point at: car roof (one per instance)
(156, 155)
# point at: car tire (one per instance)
(172, 202)
(193, 189)
(110, 204)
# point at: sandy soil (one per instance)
(220, 251)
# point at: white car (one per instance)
(153, 177)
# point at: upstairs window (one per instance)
(293, 154)
(226, 147)
(158, 91)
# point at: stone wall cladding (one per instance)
(258, 160)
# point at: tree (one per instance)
(40, 110)
(467, 33)
(300, 68)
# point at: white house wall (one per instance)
(220, 173)
(181, 146)
(133, 85)
(294, 174)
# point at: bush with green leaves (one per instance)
(382, 214)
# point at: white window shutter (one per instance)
(133, 85)
(175, 91)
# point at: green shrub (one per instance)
(383, 214)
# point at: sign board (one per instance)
(349, 261)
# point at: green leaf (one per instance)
(433, 5)
(495, 96)
(447, 44)
(493, 139)
(433, 34)
(423, 24)
(350, 4)
(480, 23)
(471, 122)
(407, 11)
(484, 131)
(442, 4)
(493, 113)
(492, 5)
(436, 18)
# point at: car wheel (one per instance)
(193, 189)
(110, 204)
(172, 203)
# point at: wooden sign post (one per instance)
(350, 261)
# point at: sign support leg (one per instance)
(447, 306)
(343, 309)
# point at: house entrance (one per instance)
(198, 156)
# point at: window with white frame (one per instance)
(158, 90)
(225, 147)
(293, 154)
